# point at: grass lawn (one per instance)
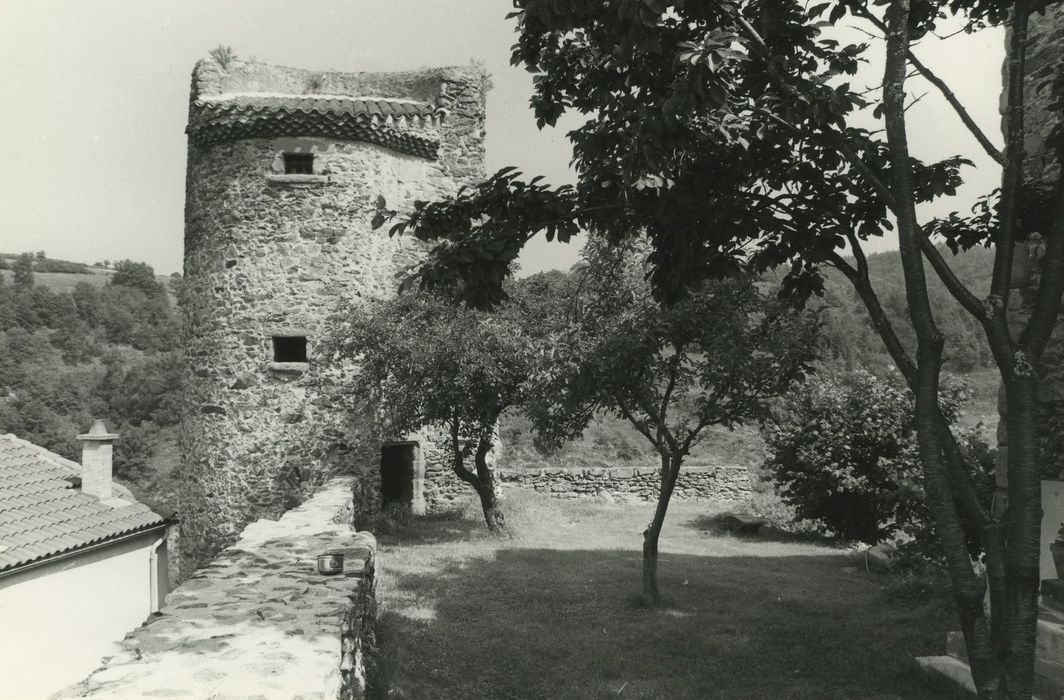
(551, 612)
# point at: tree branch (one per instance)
(858, 254)
(459, 467)
(880, 320)
(960, 292)
(638, 424)
(1012, 177)
(932, 78)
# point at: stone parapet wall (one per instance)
(724, 484)
(259, 621)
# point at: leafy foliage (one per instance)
(717, 357)
(721, 130)
(844, 455)
(69, 356)
(850, 339)
(424, 362)
(137, 275)
(23, 269)
(712, 359)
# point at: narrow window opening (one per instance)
(299, 163)
(289, 348)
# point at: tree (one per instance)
(716, 358)
(23, 269)
(843, 452)
(728, 132)
(137, 275)
(425, 363)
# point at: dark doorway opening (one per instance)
(397, 474)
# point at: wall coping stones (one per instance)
(258, 621)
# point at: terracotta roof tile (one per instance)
(389, 123)
(42, 515)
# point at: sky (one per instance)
(94, 97)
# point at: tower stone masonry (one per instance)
(284, 169)
(1041, 170)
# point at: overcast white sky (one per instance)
(93, 101)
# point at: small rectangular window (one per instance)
(299, 163)
(289, 348)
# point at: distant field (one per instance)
(64, 281)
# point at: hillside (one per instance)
(116, 356)
(65, 281)
(93, 344)
(850, 341)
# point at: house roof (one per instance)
(42, 514)
(391, 123)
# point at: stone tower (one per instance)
(1041, 170)
(284, 167)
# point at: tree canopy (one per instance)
(716, 357)
(728, 133)
(425, 363)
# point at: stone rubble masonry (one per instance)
(1040, 170)
(259, 621)
(274, 254)
(723, 484)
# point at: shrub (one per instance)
(843, 453)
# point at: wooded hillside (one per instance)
(99, 342)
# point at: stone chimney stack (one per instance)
(97, 449)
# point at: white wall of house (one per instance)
(59, 619)
(1052, 521)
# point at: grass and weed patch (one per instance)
(549, 613)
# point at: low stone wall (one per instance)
(724, 484)
(259, 621)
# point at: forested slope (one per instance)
(79, 342)
(85, 350)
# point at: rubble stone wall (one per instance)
(1040, 170)
(269, 254)
(723, 484)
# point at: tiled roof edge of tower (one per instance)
(249, 99)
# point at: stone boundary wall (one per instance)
(259, 621)
(720, 483)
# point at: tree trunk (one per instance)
(489, 499)
(483, 480)
(1023, 530)
(670, 470)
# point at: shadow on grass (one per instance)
(454, 525)
(716, 524)
(548, 623)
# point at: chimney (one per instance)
(96, 452)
